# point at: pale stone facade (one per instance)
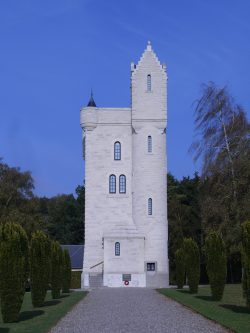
(134, 222)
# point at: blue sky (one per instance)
(53, 52)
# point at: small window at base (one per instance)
(150, 266)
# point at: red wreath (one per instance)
(126, 283)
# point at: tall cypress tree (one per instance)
(192, 263)
(39, 267)
(66, 271)
(180, 268)
(216, 260)
(13, 269)
(246, 261)
(56, 269)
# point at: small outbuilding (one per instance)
(76, 257)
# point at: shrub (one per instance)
(180, 268)
(56, 269)
(216, 263)
(39, 267)
(246, 261)
(14, 258)
(66, 271)
(192, 263)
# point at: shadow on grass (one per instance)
(52, 302)
(26, 315)
(4, 330)
(206, 298)
(63, 296)
(235, 308)
(183, 291)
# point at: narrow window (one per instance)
(122, 184)
(117, 150)
(149, 82)
(150, 266)
(150, 210)
(150, 147)
(117, 248)
(112, 184)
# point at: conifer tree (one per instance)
(66, 271)
(180, 268)
(246, 261)
(14, 253)
(192, 263)
(56, 269)
(39, 267)
(216, 262)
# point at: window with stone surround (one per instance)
(149, 82)
(150, 144)
(117, 248)
(150, 266)
(112, 184)
(150, 206)
(122, 184)
(117, 151)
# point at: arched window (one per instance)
(112, 184)
(150, 206)
(122, 184)
(150, 147)
(117, 248)
(149, 82)
(117, 150)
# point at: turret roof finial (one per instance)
(149, 47)
(91, 102)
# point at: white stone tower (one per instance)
(126, 229)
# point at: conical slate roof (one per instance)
(91, 102)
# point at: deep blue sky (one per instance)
(53, 52)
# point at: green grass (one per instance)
(40, 320)
(231, 312)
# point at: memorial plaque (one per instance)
(126, 277)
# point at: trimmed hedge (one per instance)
(180, 268)
(14, 256)
(246, 261)
(192, 263)
(56, 269)
(75, 279)
(39, 267)
(216, 263)
(66, 271)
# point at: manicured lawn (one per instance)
(231, 312)
(40, 320)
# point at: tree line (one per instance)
(187, 261)
(60, 217)
(40, 261)
(218, 199)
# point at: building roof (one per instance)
(76, 255)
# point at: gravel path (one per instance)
(132, 310)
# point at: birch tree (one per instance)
(222, 132)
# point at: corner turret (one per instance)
(89, 115)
